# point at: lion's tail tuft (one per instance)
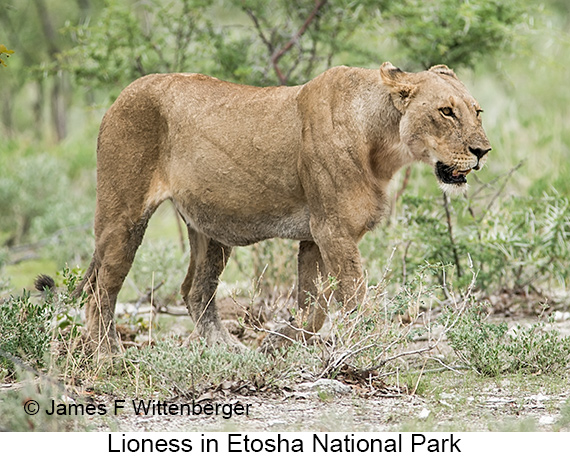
(44, 283)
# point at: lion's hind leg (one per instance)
(312, 301)
(117, 241)
(125, 204)
(208, 259)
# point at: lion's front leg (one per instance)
(327, 274)
(101, 334)
(343, 267)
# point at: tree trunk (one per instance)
(58, 105)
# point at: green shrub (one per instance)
(28, 326)
(492, 349)
(521, 243)
(169, 368)
(477, 342)
(42, 207)
(29, 188)
(457, 33)
(25, 331)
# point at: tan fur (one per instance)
(243, 164)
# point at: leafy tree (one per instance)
(32, 27)
(291, 41)
(284, 41)
(454, 32)
(131, 40)
(106, 45)
(254, 42)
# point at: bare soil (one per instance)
(495, 408)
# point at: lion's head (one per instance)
(441, 122)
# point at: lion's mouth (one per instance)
(450, 175)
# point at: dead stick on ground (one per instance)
(450, 231)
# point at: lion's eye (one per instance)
(447, 111)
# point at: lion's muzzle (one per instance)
(450, 175)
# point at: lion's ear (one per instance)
(401, 89)
(443, 70)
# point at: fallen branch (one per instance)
(147, 296)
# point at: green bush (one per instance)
(42, 207)
(458, 33)
(169, 368)
(522, 243)
(25, 329)
(527, 242)
(28, 326)
(31, 187)
(491, 349)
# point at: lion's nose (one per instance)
(479, 152)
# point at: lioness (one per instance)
(243, 164)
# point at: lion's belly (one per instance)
(241, 228)
(240, 195)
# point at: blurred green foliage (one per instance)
(287, 43)
(79, 55)
(131, 40)
(38, 208)
(459, 33)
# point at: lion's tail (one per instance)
(45, 283)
